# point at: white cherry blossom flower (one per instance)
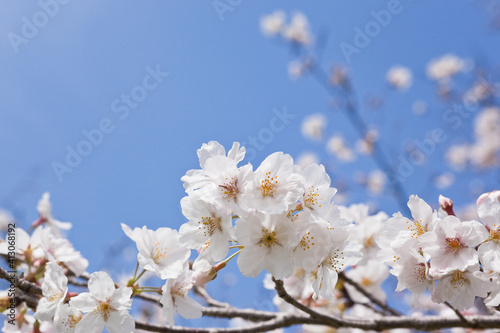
(451, 244)
(313, 246)
(276, 186)
(268, 241)
(54, 290)
(413, 274)
(400, 233)
(104, 305)
(460, 288)
(489, 250)
(195, 178)
(209, 227)
(159, 250)
(341, 256)
(317, 191)
(175, 298)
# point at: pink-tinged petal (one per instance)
(90, 323)
(121, 299)
(120, 322)
(85, 302)
(101, 285)
(187, 307)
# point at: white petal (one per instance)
(90, 323)
(120, 322)
(101, 285)
(187, 307)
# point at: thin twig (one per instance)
(202, 292)
(461, 316)
(365, 293)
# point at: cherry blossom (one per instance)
(489, 250)
(54, 290)
(104, 305)
(276, 186)
(268, 241)
(159, 250)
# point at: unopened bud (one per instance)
(203, 277)
(446, 204)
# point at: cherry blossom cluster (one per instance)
(278, 218)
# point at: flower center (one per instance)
(268, 238)
(71, 321)
(453, 244)
(416, 228)
(306, 241)
(495, 234)
(268, 185)
(312, 197)
(458, 279)
(105, 309)
(230, 188)
(210, 225)
(159, 253)
(54, 295)
(334, 260)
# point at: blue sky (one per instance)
(224, 81)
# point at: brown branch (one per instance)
(372, 299)
(28, 288)
(279, 322)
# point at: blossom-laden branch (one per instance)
(270, 320)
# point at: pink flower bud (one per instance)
(446, 204)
